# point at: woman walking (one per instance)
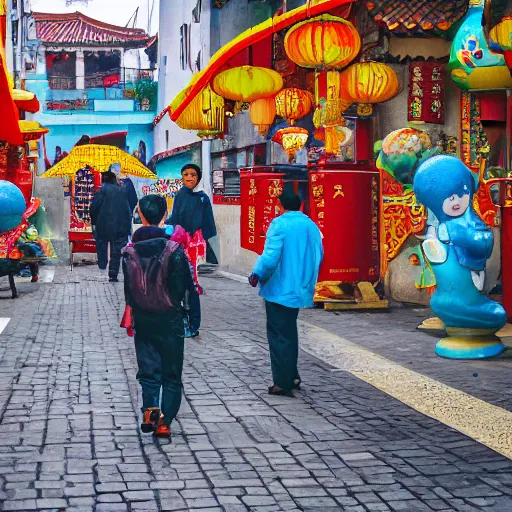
(193, 212)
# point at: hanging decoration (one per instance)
(247, 83)
(205, 113)
(263, 112)
(426, 92)
(293, 104)
(367, 83)
(472, 64)
(329, 105)
(474, 142)
(324, 42)
(291, 139)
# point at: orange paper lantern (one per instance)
(247, 83)
(367, 83)
(263, 112)
(293, 103)
(324, 42)
(319, 134)
(291, 139)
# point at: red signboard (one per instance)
(426, 92)
(259, 194)
(345, 206)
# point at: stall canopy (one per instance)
(252, 47)
(99, 158)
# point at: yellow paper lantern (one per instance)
(204, 114)
(367, 83)
(263, 112)
(291, 139)
(293, 104)
(247, 83)
(324, 42)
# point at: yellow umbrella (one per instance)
(99, 158)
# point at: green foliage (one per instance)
(145, 88)
(495, 172)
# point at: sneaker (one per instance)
(162, 430)
(150, 417)
(113, 280)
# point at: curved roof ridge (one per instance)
(77, 28)
(79, 16)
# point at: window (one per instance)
(61, 70)
(184, 46)
(166, 139)
(196, 13)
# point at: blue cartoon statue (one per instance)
(457, 246)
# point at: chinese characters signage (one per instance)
(473, 139)
(426, 92)
(260, 206)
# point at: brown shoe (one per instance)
(150, 418)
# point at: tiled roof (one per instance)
(417, 17)
(80, 30)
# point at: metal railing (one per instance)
(62, 83)
(121, 78)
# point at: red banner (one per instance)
(426, 92)
(259, 194)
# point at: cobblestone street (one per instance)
(69, 406)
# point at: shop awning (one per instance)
(32, 130)
(9, 129)
(25, 100)
(249, 48)
(100, 158)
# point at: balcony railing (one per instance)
(120, 78)
(62, 83)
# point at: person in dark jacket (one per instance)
(129, 188)
(159, 337)
(193, 212)
(111, 221)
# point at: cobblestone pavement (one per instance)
(69, 407)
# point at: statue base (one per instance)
(464, 343)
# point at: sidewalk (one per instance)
(69, 407)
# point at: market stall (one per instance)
(83, 166)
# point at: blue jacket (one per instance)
(288, 267)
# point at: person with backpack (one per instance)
(193, 211)
(287, 272)
(111, 221)
(157, 280)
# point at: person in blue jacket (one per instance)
(287, 272)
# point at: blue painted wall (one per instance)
(171, 167)
(66, 136)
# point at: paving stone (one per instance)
(51, 503)
(20, 505)
(340, 445)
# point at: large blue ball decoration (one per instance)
(12, 206)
